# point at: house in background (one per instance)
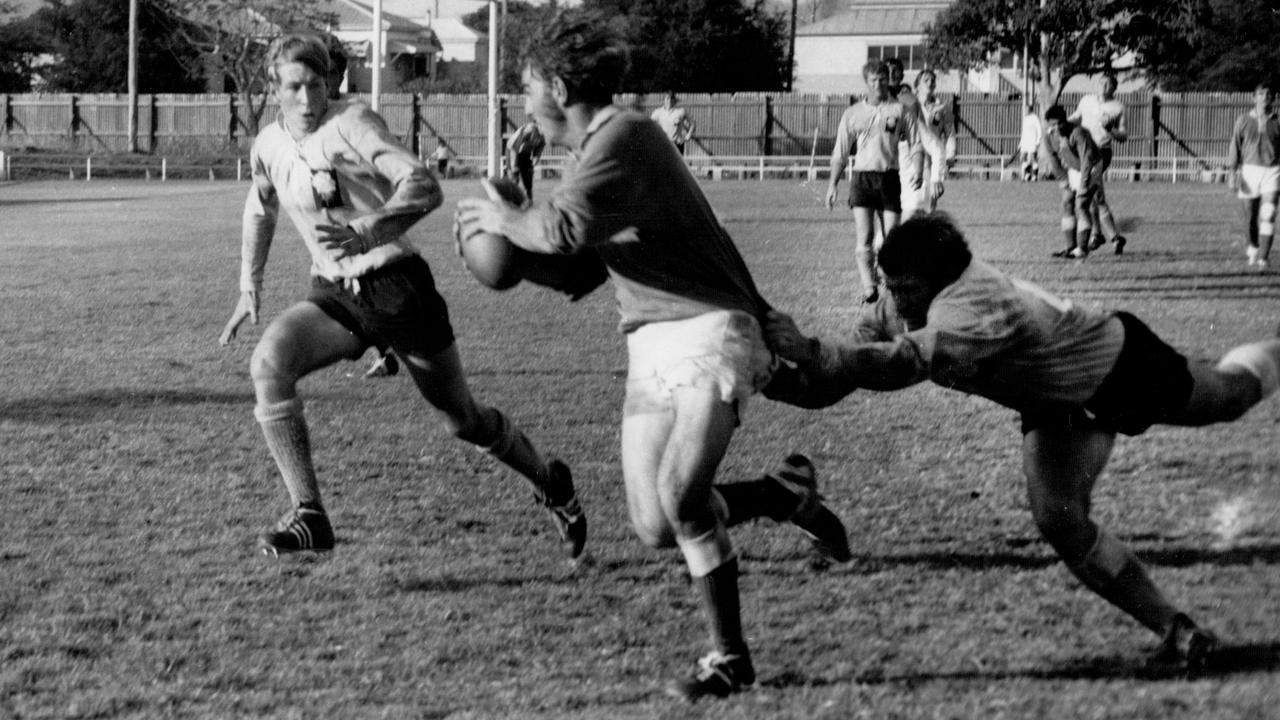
(830, 53)
(411, 47)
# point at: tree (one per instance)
(522, 19)
(87, 38)
(680, 45)
(1063, 38)
(231, 38)
(703, 45)
(1234, 45)
(17, 46)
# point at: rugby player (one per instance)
(691, 314)
(871, 131)
(1073, 158)
(1254, 163)
(1076, 376)
(352, 191)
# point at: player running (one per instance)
(1078, 377)
(1254, 162)
(352, 191)
(691, 315)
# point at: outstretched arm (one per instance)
(825, 373)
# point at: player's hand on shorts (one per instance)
(339, 242)
(783, 336)
(246, 309)
(937, 188)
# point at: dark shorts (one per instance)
(397, 307)
(876, 190)
(1149, 384)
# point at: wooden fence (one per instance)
(1191, 130)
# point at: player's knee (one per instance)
(1068, 223)
(1266, 212)
(1065, 527)
(269, 364)
(652, 528)
(480, 426)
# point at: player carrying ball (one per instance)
(691, 314)
(352, 191)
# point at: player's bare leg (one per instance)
(1245, 376)
(1266, 228)
(1061, 465)
(1249, 209)
(299, 341)
(864, 221)
(669, 462)
(441, 380)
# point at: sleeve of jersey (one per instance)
(1233, 153)
(258, 225)
(591, 206)
(843, 146)
(415, 190)
(960, 335)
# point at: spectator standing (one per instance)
(524, 150)
(674, 121)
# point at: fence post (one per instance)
(1155, 127)
(415, 113)
(152, 134)
(231, 127)
(768, 128)
(75, 120)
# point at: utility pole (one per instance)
(133, 76)
(376, 50)
(495, 133)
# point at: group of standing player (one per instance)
(700, 338)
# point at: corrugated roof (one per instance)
(877, 19)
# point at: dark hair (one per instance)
(924, 74)
(1056, 112)
(928, 246)
(306, 48)
(894, 62)
(582, 48)
(337, 53)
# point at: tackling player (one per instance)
(691, 314)
(1077, 377)
(1102, 115)
(352, 191)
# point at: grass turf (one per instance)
(134, 480)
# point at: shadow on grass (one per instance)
(863, 564)
(1238, 659)
(65, 201)
(92, 405)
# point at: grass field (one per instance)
(133, 481)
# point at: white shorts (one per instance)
(723, 350)
(1258, 180)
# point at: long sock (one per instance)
(1114, 572)
(722, 606)
(513, 448)
(285, 428)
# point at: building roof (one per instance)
(878, 18)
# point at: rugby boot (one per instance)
(825, 530)
(718, 675)
(561, 501)
(1185, 646)
(299, 529)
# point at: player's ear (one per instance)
(559, 91)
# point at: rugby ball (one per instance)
(491, 257)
